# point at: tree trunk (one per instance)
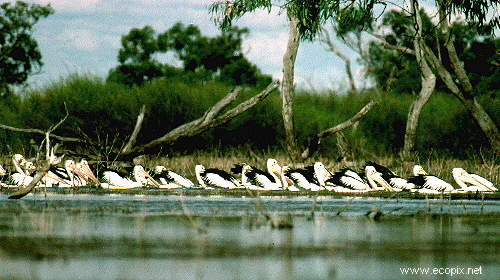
(466, 95)
(287, 87)
(428, 83)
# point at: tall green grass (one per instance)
(106, 112)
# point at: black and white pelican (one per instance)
(252, 176)
(311, 178)
(169, 179)
(426, 183)
(348, 180)
(113, 179)
(396, 182)
(215, 178)
(471, 182)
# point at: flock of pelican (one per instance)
(315, 177)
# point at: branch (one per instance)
(391, 46)
(316, 139)
(207, 121)
(39, 131)
(328, 41)
(137, 128)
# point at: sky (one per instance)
(84, 36)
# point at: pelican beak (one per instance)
(87, 172)
(55, 177)
(150, 180)
(377, 177)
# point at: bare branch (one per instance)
(391, 46)
(331, 46)
(44, 167)
(137, 128)
(316, 139)
(39, 131)
(219, 106)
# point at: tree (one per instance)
(202, 57)
(302, 24)
(19, 52)
(311, 15)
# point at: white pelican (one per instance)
(216, 178)
(311, 178)
(270, 180)
(428, 183)
(396, 182)
(23, 171)
(86, 173)
(347, 180)
(375, 179)
(169, 179)
(472, 182)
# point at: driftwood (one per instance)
(39, 131)
(316, 139)
(137, 128)
(210, 119)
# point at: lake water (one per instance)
(123, 236)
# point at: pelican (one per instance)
(23, 171)
(3, 172)
(248, 183)
(375, 179)
(472, 182)
(270, 180)
(112, 179)
(426, 183)
(215, 177)
(311, 178)
(347, 180)
(86, 173)
(396, 182)
(170, 179)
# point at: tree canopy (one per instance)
(312, 14)
(395, 71)
(202, 57)
(19, 52)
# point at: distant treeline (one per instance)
(106, 112)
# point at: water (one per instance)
(118, 236)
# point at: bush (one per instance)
(107, 111)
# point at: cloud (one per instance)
(81, 39)
(266, 49)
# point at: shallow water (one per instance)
(118, 236)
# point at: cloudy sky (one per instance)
(84, 36)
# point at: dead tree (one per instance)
(210, 119)
(315, 140)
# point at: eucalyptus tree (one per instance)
(311, 15)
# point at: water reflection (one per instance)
(142, 237)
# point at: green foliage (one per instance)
(355, 14)
(106, 112)
(202, 58)
(395, 72)
(19, 53)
